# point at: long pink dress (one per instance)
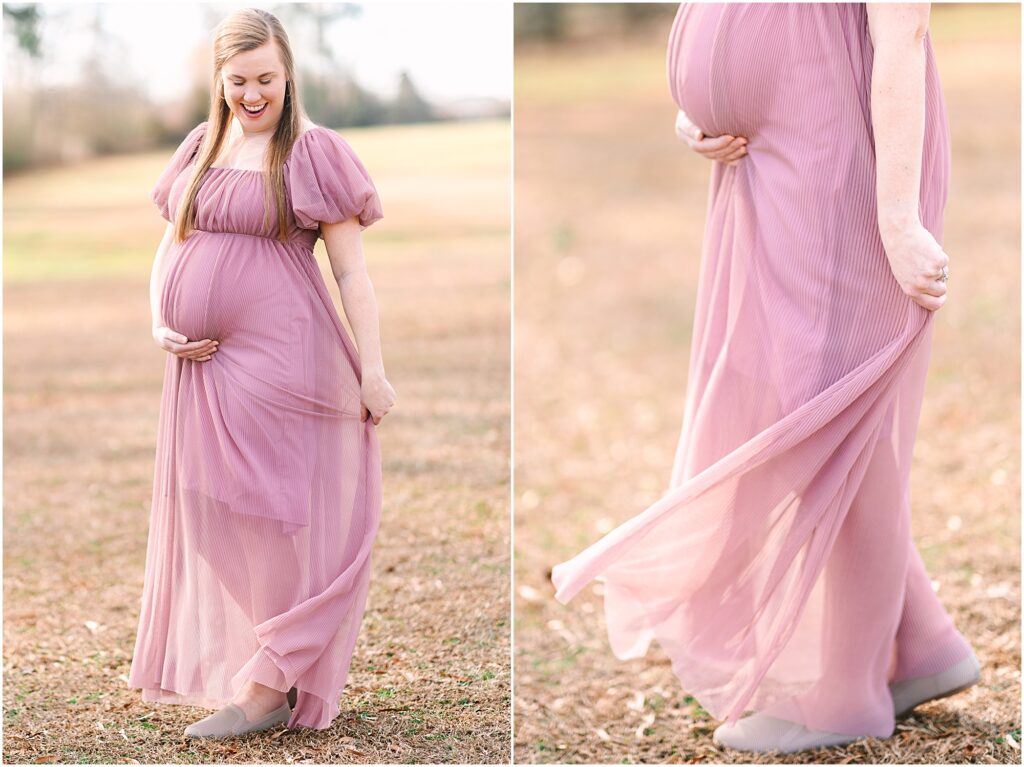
(267, 486)
(778, 570)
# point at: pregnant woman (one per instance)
(267, 486)
(778, 572)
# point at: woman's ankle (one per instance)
(260, 695)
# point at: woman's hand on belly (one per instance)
(178, 345)
(724, 148)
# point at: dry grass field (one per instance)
(430, 677)
(609, 217)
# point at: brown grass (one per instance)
(430, 678)
(609, 217)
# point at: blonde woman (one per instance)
(267, 484)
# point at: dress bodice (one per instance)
(324, 181)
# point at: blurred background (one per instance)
(83, 80)
(96, 98)
(610, 210)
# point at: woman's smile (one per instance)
(255, 111)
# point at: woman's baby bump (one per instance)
(185, 295)
(220, 285)
(724, 67)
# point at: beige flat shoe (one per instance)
(761, 732)
(230, 721)
(909, 693)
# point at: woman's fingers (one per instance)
(931, 292)
(713, 145)
(199, 350)
(723, 148)
(735, 150)
(734, 154)
(202, 351)
(194, 350)
(376, 415)
(929, 302)
(934, 288)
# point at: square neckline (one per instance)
(298, 138)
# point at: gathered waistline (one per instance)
(301, 241)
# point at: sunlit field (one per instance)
(429, 680)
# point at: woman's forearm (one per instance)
(898, 110)
(156, 277)
(360, 304)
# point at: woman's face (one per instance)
(255, 78)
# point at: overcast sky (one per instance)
(452, 49)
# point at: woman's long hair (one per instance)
(245, 30)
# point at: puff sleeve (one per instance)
(179, 160)
(328, 182)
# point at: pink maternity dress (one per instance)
(267, 486)
(778, 570)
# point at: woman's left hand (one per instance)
(917, 261)
(377, 396)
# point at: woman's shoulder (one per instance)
(311, 131)
(316, 142)
(306, 125)
(188, 147)
(327, 181)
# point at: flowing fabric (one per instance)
(778, 570)
(267, 486)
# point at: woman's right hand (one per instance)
(724, 148)
(178, 345)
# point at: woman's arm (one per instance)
(345, 250)
(897, 107)
(897, 118)
(156, 276)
